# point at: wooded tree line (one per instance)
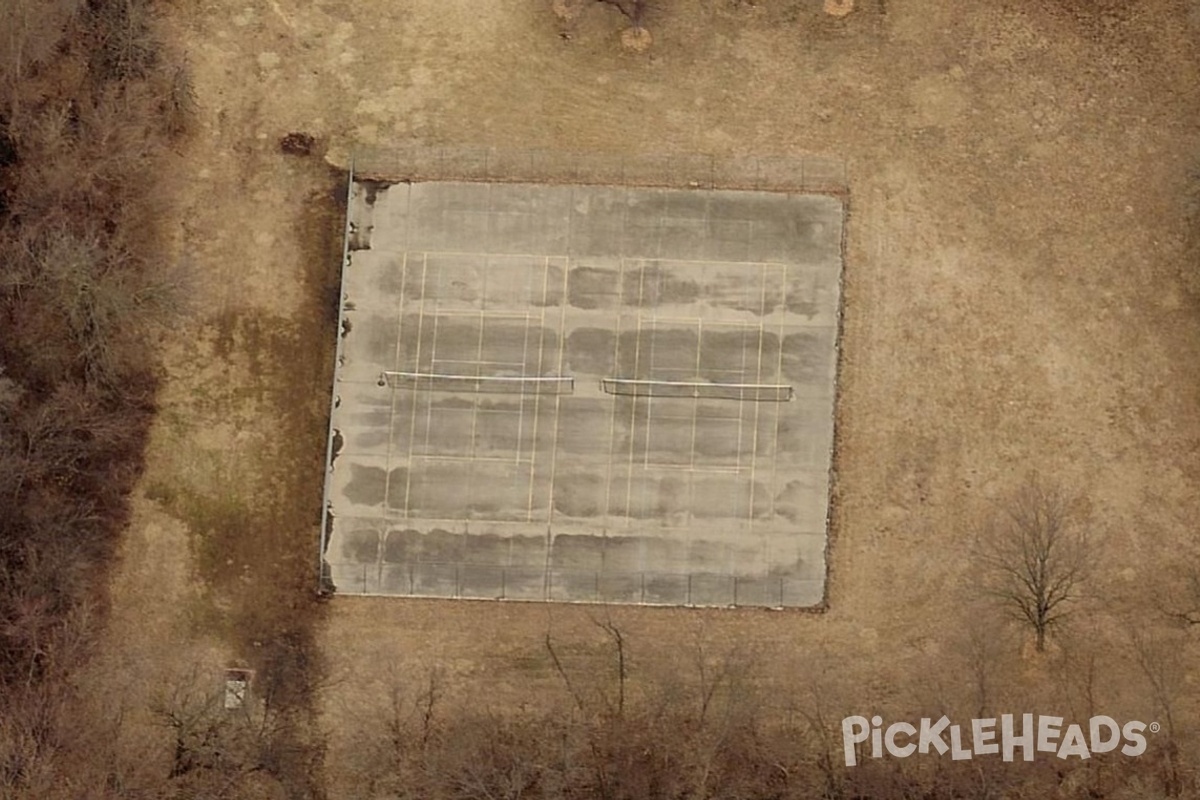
(88, 103)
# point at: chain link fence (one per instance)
(439, 579)
(809, 174)
(801, 174)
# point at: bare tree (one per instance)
(1037, 551)
(982, 651)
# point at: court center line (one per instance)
(650, 370)
(474, 415)
(433, 340)
(562, 351)
(470, 482)
(387, 464)
(737, 451)
(637, 350)
(757, 406)
(412, 425)
(779, 410)
(521, 406)
(612, 425)
(537, 397)
(691, 467)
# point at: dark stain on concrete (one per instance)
(372, 439)
(397, 481)
(580, 495)
(493, 403)
(488, 508)
(738, 293)
(668, 589)
(414, 281)
(589, 351)
(372, 188)
(672, 496)
(592, 287)
(487, 549)
(361, 546)
(339, 442)
(391, 278)
(645, 352)
(373, 418)
(725, 350)
(359, 238)
(577, 552)
(654, 285)
(804, 306)
(806, 356)
(726, 446)
(553, 296)
(410, 545)
(450, 402)
(366, 486)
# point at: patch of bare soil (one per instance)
(1018, 295)
(218, 567)
(839, 8)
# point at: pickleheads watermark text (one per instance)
(984, 737)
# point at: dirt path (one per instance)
(1017, 293)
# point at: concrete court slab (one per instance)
(458, 476)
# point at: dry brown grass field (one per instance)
(1020, 296)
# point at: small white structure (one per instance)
(237, 684)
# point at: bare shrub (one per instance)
(1178, 598)
(983, 651)
(297, 144)
(178, 106)
(1160, 656)
(31, 34)
(101, 300)
(82, 160)
(10, 392)
(124, 45)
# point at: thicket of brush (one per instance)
(89, 103)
